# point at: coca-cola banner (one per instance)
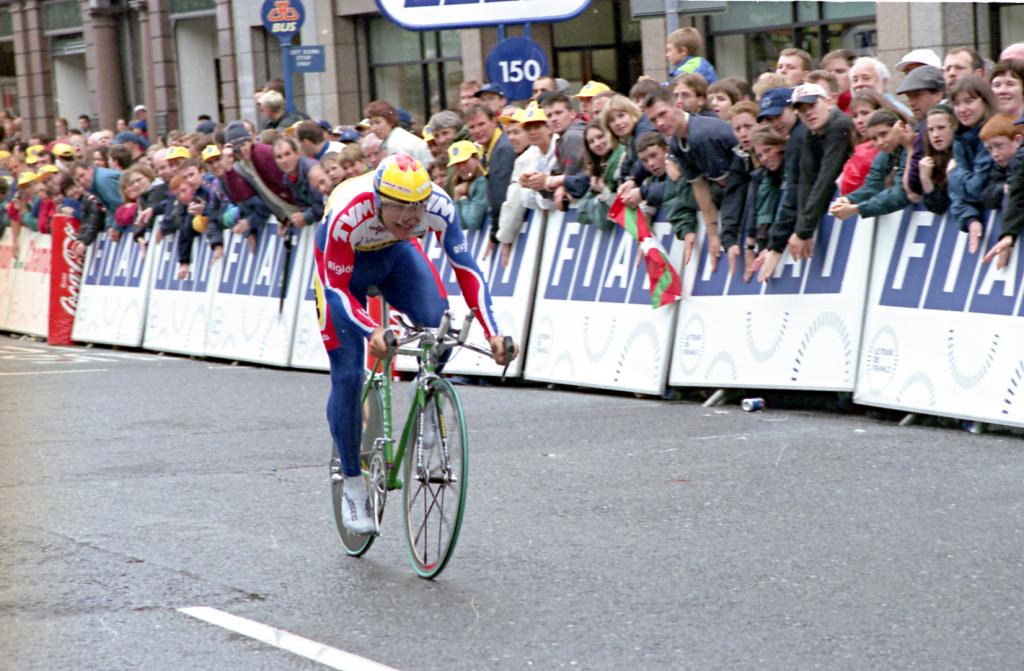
(65, 279)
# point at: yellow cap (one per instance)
(32, 159)
(510, 118)
(48, 170)
(532, 114)
(427, 135)
(211, 151)
(591, 89)
(461, 151)
(4, 154)
(177, 152)
(33, 150)
(63, 150)
(27, 178)
(291, 130)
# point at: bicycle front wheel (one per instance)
(372, 464)
(434, 480)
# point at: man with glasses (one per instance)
(369, 237)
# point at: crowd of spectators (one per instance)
(761, 161)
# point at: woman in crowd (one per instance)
(134, 183)
(602, 161)
(973, 104)
(395, 139)
(98, 156)
(883, 190)
(1008, 87)
(941, 129)
(766, 192)
(865, 103)
(622, 120)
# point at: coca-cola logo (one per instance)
(73, 277)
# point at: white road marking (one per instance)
(304, 647)
(58, 372)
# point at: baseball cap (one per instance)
(490, 87)
(924, 78)
(510, 118)
(404, 118)
(236, 133)
(176, 152)
(128, 136)
(532, 113)
(138, 108)
(363, 124)
(920, 57)
(348, 135)
(206, 126)
(774, 102)
(32, 159)
(4, 154)
(591, 89)
(48, 170)
(63, 150)
(323, 123)
(461, 151)
(808, 93)
(33, 150)
(210, 151)
(26, 178)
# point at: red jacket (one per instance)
(263, 160)
(857, 167)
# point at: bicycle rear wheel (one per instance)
(372, 463)
(434, 480)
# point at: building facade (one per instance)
(183, 58)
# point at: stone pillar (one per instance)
(474, 58)
(164, 117)
(34, 66)
(103, 65)
(652, 40)
(148, 87)
(229, 103)
(353, 78)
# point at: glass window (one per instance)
(603, 65)
(570, 65)
(400, 85)
(596, 25)
(391, 44)
(752, 15)
(451, 44)
(765, 47)
(847, 10)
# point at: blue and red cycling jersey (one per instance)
(351, 225)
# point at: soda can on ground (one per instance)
(752, 404)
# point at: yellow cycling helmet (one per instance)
(401, 177)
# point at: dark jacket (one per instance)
(785, 220)
(304, 193)
(180, 218)
(970, 176)
(734, 198)
(1013, 213)
(821, 162)
(91, 218)
(499, 173)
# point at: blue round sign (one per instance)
(515, 63)
(283, 18)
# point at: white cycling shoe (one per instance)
(357, 517)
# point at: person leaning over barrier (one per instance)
(742, 118)
(85, 207)
(534, 194)
(497, 159)
(894, 138)
(299, 174)
(1013, 212)
(103, 183)
(973, 104)
(1002, 140)
(513, 211)
(703, 148)
(189, 224)
(827, 145)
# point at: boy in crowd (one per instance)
(793, 64)
(187, 218)
(1002, 140)
(87, 208)
(683, 50)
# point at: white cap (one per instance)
(138, 107)
(808, 93)
(921, 57)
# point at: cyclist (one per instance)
(369, 237)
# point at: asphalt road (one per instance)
(603, 531)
